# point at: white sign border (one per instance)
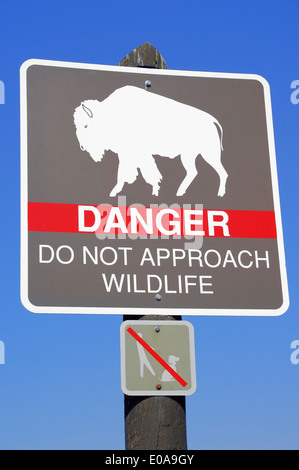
(144, 311)
(153, 323)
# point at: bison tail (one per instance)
(221, 133)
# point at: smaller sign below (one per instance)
(157, 358)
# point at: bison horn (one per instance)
(87, 110)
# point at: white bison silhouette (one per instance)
(138, 124)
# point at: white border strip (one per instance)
(144, 311)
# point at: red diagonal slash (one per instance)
(157, 357)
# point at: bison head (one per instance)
(87, 119)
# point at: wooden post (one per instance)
(144, 56)
(153, 423)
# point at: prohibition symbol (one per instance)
(157, 357)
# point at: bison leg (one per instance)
(223, 177)
(219, 168)
(191, 172)
(117, 189)
(213, 158)
(126, 174)
(151, 174)
(121, 173)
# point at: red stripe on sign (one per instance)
(50, 217)
(247, 224)
(105, 219)
(157, 357)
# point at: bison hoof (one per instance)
(180, 193)
(113, 193)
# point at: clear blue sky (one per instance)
(60, 386)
